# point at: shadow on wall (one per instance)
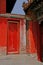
(41, 39)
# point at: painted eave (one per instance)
(15, 16)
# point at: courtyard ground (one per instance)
(19, 59)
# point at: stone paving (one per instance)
(21, 59)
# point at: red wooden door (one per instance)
(13, 38)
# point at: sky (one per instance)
(17, 9)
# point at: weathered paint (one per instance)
(22, 36)
(32, 37)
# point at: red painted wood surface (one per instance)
(13, 37)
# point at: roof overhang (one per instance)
(15, 16)
(33, 6)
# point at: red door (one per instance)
(13, 38)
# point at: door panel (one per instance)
(13, 32)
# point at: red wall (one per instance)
(2, 6)
(32, 37)
(38, 45)
(3, 32)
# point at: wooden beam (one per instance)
(15, 16)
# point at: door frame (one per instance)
(13, 21)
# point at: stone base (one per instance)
(2, 50)
(34, 55)
(23, 50)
